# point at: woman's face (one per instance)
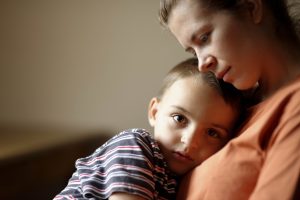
(224, 43)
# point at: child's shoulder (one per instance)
(135, 139)
(136, 132)
(134, 136)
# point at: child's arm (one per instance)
(124, 196)
(123, 165)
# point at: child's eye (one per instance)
(179, 119)
(213, 133)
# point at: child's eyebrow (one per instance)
(221, 127)
(182, 109)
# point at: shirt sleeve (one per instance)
(123, 164)
(280, 173)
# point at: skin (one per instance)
(188, 126)
(242, 50)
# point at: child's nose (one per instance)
(207, 63)
(190, 140)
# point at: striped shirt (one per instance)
(130, 162)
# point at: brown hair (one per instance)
(285, 14)
(188, 68)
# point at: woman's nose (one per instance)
(208, 63)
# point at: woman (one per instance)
(250, 44)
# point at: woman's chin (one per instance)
(243, 86)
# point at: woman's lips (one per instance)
(182, 156)
(221, 74)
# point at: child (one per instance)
(193, 117)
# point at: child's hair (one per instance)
(285, 14)
(188, 68)
(238, 100)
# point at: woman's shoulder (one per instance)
(290, 99)
(281, 106)
(293, 86)
(286, 95)
(289, 95)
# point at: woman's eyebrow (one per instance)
(200, 30)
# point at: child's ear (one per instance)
(152, 110)
(255, 9)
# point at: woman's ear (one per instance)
(152, 110)
(255, 9)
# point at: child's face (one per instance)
(191, 122)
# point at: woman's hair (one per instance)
(285, 13)
(189, 68)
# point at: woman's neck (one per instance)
(279, 77)
(283, 69)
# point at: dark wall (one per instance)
(41, 175)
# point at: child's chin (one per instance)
(180, 172)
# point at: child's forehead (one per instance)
(193, 84)
(202, 84)
(197, 98)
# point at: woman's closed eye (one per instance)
(204, 38)
(192, 51)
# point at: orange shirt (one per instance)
(263, 162)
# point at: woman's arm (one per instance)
(124, 196)
(280, 173)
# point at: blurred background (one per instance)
(73, 73)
